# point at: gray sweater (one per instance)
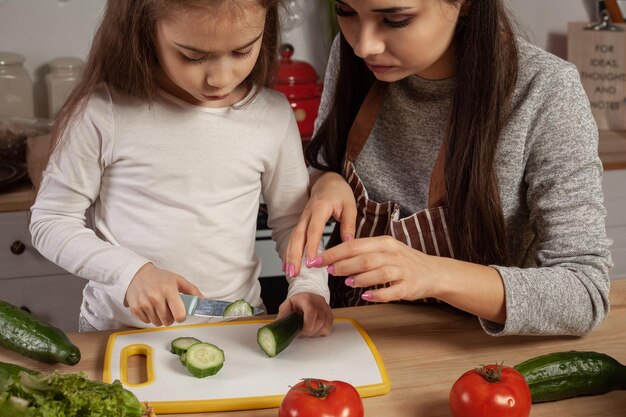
(549, 176)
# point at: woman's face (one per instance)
(399, 38)
(205, 55)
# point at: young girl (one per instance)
(167, 144)
(464, 162)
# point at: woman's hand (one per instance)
(318, 317)
(153, 296)
(331, 196)
(409, 273)
(412, 275)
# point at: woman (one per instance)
(463, 161)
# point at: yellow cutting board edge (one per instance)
(229, 404)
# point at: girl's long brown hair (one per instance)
(486, 73)
(123, 52)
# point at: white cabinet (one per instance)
(30, 281)
(614, 185)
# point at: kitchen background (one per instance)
(42, 30)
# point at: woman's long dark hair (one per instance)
(486, 73)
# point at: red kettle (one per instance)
(299, 82)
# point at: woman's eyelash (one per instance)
(397, 23)
(391, 23)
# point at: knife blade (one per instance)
(204, 307)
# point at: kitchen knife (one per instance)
(204, 307)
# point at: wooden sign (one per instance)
(600, 56)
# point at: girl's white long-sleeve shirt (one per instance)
(174, 184)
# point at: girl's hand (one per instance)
(330, 196)
(411, 274)
(153, 296)
(318, 317)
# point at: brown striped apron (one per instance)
(425, 230)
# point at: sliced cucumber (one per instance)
(181, 344)
(274, 337)
(239, 308)
(183, 358)
(204, 359)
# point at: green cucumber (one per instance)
(204, 359)
(183, 358)
(181, 344)
(274, 337)
(561, 375)
(239, 308)
(29, 336)
(9, 370)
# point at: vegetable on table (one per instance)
(274, 337)
(9, 370)
(491, 390)
(239, 308)
(204, 359)
(201, 359)
(560, 375)
(29, 336)
(181, 344)
(67, 395)
(318, 397)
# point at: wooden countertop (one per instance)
(425, 349)
(612, 152)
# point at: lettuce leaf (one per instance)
(65, 395)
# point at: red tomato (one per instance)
(493, 390)
(318, 397)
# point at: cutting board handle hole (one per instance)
(136, 364)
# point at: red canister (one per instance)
(299, 82)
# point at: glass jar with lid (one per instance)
(64, 73)
(16, 86)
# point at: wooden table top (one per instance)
(425, 349)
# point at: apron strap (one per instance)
(437, 190)
(365, 119)
(362, 128)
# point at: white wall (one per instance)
(45, 29)
(545, 21)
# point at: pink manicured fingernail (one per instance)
(331, 269)
(366, 296)
(349, 237)
(315, 262)
(350, 282)
(291, 270)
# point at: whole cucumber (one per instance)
(560, 375)
(27, 335)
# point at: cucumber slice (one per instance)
(239, 308)
(183, 358)
(204, 359)
(274, 337)
(181, 344)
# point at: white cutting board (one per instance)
(249, 379)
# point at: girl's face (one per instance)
(205, 55)
(399, 38)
